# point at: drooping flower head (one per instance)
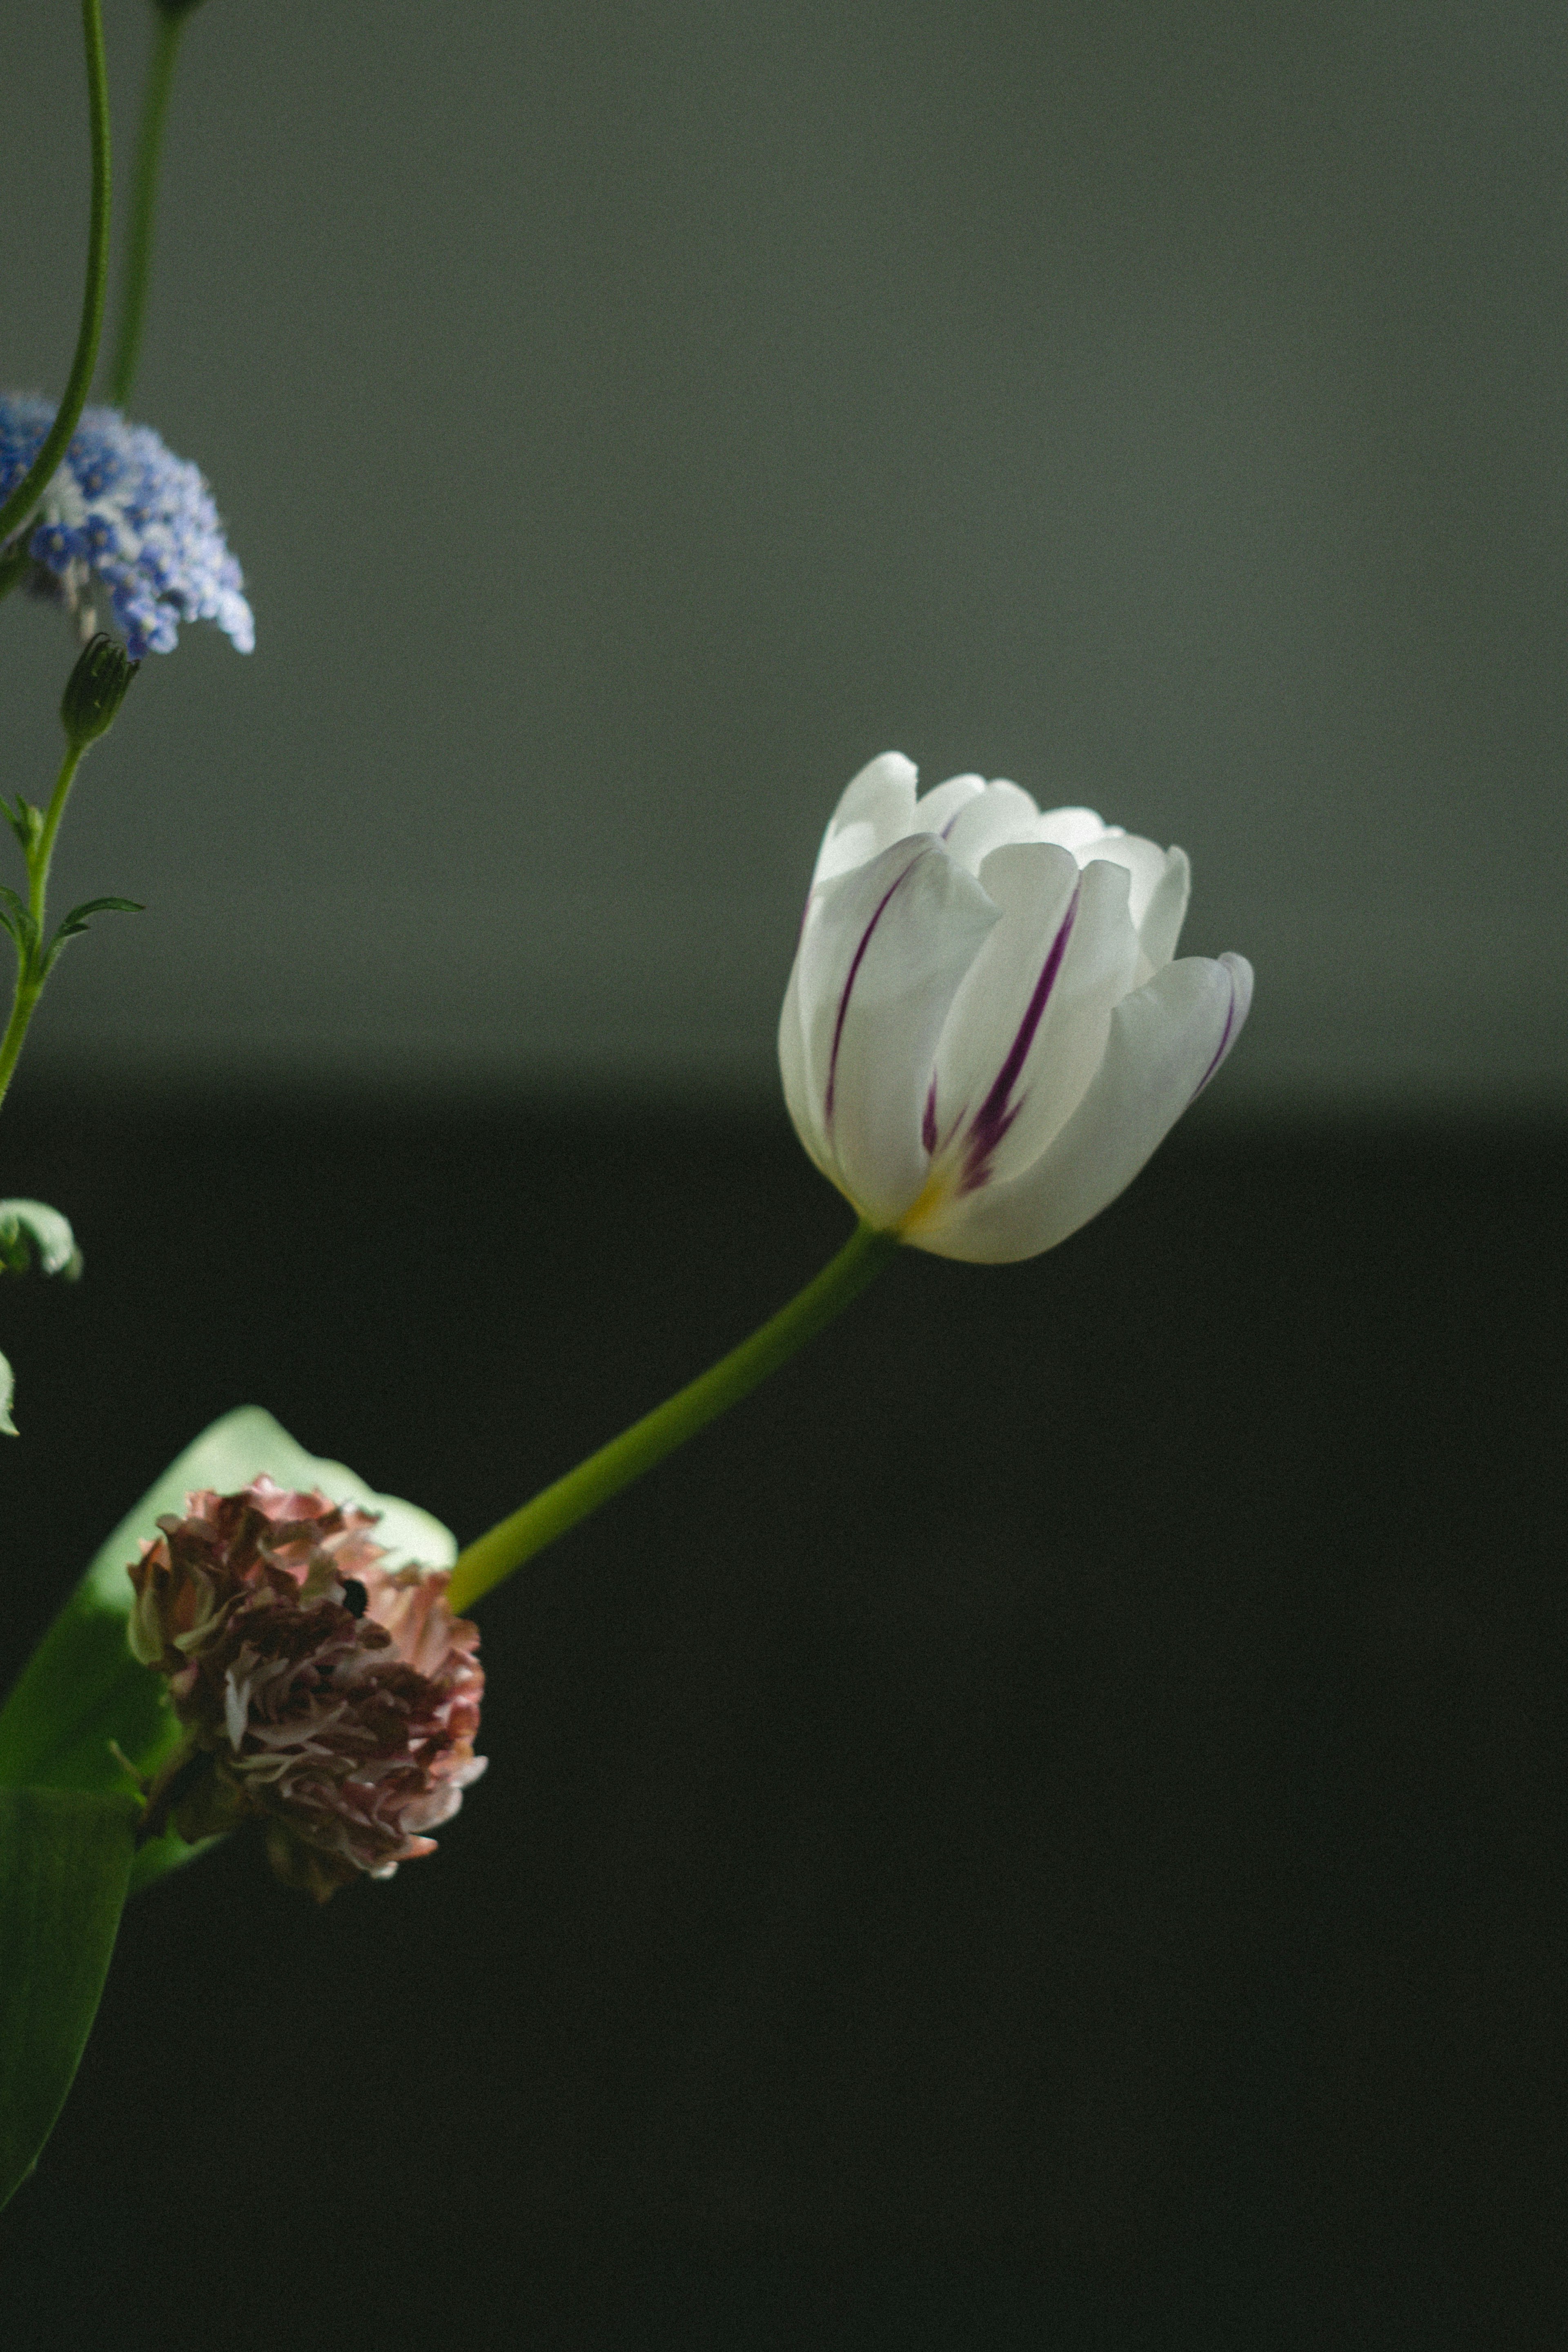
(333, 1697)
(985, 1035)
(124, 514)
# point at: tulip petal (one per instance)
(1241, 972)
(1028, 1026)
(877, 808)
(880, 955)
(935, 810)
(999, 1006)
(1159, 927)
(1073, 826)
(802, 1103)
(1145, 862)
(1002, 813)
(1166, 1041)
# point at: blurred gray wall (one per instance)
(631, 417)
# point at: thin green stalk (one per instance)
(20, 506)
(637, 1449)
(145, 207)
(30, 970)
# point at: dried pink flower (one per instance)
(335, 1698)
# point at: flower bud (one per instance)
(95, 690)
(986, 1032)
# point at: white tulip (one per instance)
(983, 1035)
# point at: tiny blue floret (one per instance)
(124, 512)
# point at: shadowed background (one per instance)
(1047, 1827)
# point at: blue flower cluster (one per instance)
(125, 511)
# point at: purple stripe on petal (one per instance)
(928, 1121)
(997, 1112)
(1225, 1037)
(849, 984)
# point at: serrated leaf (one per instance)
(81, 1687)
(64, 1866)
(32, 1234)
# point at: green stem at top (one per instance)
(30, 970)
(144, 205)
(20, 506)
(637, 1449)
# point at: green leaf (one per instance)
(32, 1234)
(76, 921)
(81, 1687)
(65, 1865)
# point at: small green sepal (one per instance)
(95, 690)
(25, 821)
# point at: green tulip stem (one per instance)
(144, 205)
(18, 508)
(637, 1449)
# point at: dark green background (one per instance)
(633, 418)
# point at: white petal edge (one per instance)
(1001, 813)
(1143, 860)
(881, 953)
(1167, 911)
(935, 810)
(1166, 1041)
(894, 999)
(799, 1098)
(875, 808)
(1069, 829)
(1034, 884)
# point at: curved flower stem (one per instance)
(20, 506)
(30, 965)
(658, 1432)
(144, 205)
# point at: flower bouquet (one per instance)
(985, 1034)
